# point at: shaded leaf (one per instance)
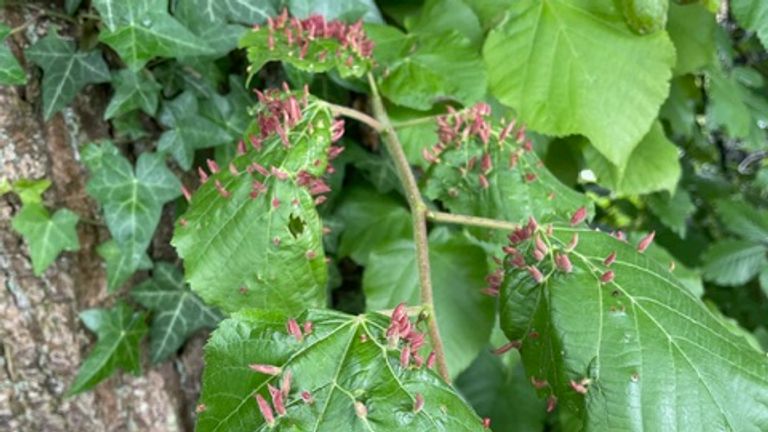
(752, 15)
(736, 108)
(673, 211)
(177, 312)
(121, 263)
(65, 71)
(46, 236)
(133, 90)
(734, 262)
(692, 30)
(563, 67)
(743, 219)
(344, 361)
(120, 330)
(437, 16)
(11, 72)
(345, 10)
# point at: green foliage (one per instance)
(753, 15)
(133, 91)
(46, 235)
(177, 312)
(734, 262)
(11, 72)
(645, 16)
(345, 362)
(119, 330)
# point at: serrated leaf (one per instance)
(140, 30)
(121, 263)
(437, 16)
(656, 358)
(119, 330)
(189, 131)
(753, 16)
(65, 70)
(563, 67)
(692, 30)
(425, 72)
(653, 166)
(132, 198)
(464, 313)
(370, 220)
(673, 211)
(177, 312)
(11, 72)
(133, 90)
(734, 262)
(46, 236)
(743, 219)
(264, 251)
(344, 361)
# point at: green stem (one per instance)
(419, 221)
(471, 221)
(357, 115)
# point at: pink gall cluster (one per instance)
(402, 330)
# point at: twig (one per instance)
(471, 221)
(357, 115)
(419, 221)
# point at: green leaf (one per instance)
(344, 362)
(177, 312)
(764, 281)
(11, 72)
(656, 357)
(264, 251)
(31, 191)
(133, 90)
(652, 166)
(121, 262)
(743, 219)
(65, 71)
(736, 107)
(140, 30)
(370, 221)
(673, 211)
(564, 67)
(230, 111)
(734, 262)
(692, 30)
(645, 16)
(679, 110)
(345, 10)
(425, 71)
(120, 330)
(189, 131)
(71, 6)
(753, 16)
(465, 315)
(438, 16)
(46, 236)
(132, 198)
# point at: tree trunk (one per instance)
(42, 342)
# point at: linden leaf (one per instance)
(692, 29)
(734, 262)
(65, 70)
(627, 346)
(251, 236)
(752, 15)
(177, 312)
(133, 90)
(350, 380)
(46, 236)
(120, 330)
(743, 219)
(11, 72)
(563, 66)
(672, 210)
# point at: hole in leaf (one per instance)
(295, 225)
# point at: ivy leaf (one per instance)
(177, 312)
(121, 262)
(424, 71)
(370, 221)
(753, 16)
(65, 70)
(345, 10)
(189, 131)
(734, 262)
(46, 236)
(132, 198)
(31, 191)
(692, 30)
(342, 364)
(464, 313)
(652, 166)
(563, 66)
(142, 29)
(133, 90)
(743, 219)
(673, 211)
(120, 330)
(263, 249)
(654, 356)
(230, 111)
(11, 72)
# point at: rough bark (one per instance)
(42, 341)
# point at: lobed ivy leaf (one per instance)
(140, 30)
(11, 72)
(121, 263)
(120, 330)
(177, 313)
(464, 313)
(263, 249)
(354, 381)
(345, 10)
(46, 235)
(30, 191)
(630, 350)
(753, 16)
(563, 67)
(65, 70)
(133, 90)
(734, 262)
(132, 198)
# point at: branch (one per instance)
(357, 115)
(471, 221)
(419, 221)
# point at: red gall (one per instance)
(233, 169)
(563, 263)
(275, 203)
(580, 386)
(308, 327)
(579, 216)
(202, 174)
(551, 403)
(486, 423)
(221, 189)
(361, 410)
(213, 167)
(293, 329)
(277, 399)
(186, 193)
(535, 273)
(645, 242)
(265, 369)
(610, 259)
(539, 384)
(307, 397)
(607, 277)
(573, 243)
(431, 360)
(266, 410)
(418, 403)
